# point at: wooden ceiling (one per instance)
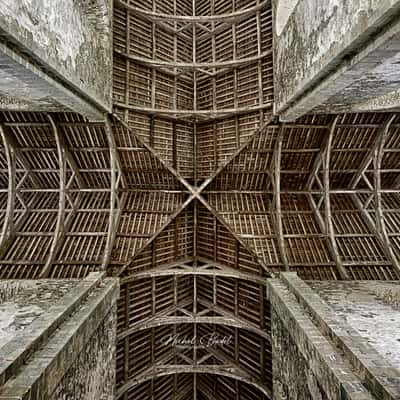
(193, 194)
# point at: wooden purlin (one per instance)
(166, 58)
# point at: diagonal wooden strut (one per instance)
(195, 192)
(378, 228)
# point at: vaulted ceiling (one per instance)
(193, 193)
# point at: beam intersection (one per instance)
(195, 193)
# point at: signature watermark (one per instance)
(199, 342)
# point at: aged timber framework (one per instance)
(193, 194)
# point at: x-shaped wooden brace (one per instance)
(195, 193)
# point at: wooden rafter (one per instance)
(210, 269)
(226, 319)
(375, 156)
(194, 65)
(322, 160)
(195, 193)
(223, 370)
(116, 204)
(8, 226)
(230, 17)
(277, 155)
(326, 157)
(58, 235)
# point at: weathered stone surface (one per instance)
(371, 309)
(324, 372)
(76, 355)
(293, 377)
(326, 330)
(92, 376)
(21, 302)
(332, 56)
(48, 42)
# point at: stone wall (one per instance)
(68, 351)
(293, 376)
(55, 52)
(92, 375)
(326, 344)
(334, 56)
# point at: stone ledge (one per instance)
(45, 370)
(331, 370)
(28, 341)
(76, 53)
(379, 377)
